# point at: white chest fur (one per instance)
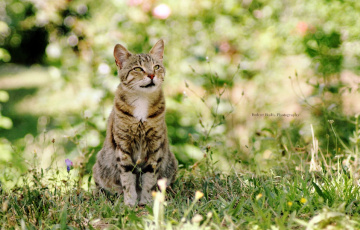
(141, 108)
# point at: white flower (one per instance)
(197, 218)
(162, 184)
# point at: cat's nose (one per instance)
(151, 76)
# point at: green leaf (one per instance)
(319, 191)
(63, 218)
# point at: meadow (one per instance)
(262, 112)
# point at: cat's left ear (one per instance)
(121, 54)
(158, 50)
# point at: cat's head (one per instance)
(141, 72)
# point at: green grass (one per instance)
(274, 187)
(285, 198)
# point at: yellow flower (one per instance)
(303, 200)
(153, 194)
(289, 203)
(258, 196)
(198, 195)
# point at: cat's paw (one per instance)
(130, 198)
(130, 202)
(145, 198)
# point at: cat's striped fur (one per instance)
(136, 151)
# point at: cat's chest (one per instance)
(141, 108)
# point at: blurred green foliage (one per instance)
(324, 50)
(235, 56)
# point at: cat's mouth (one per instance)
(151, 84)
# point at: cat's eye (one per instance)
(156, 67)
(138, 69)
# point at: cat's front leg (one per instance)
(128, 181)
(148, 182)
(127, 177)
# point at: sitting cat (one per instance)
(136, 151)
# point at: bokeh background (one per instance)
(225, 60)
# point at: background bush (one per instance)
(226, 60)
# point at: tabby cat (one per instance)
(136, 151)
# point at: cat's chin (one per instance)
(151, 88)
(151, 84)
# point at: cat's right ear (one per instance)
(121, 54)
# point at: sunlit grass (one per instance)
(283, 198)
(197, 200)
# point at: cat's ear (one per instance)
(158, 50)
(121, 54)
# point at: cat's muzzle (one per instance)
(151, 84)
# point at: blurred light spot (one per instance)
(6, 150)
(247, 2)
(152, 30)
(197, 25)
(4, 28)
(104, 68)
(312, 44)
(185, 94)
(53, 50)
(15, 40)
(69, 21)
(302, 27)
(82, 9)
(302, 132)
(17, 8)
(93, 138)
(54, 72)
(331, 106)
(42, 18)
(162, 11)
(87, 113)
(224, 47)
(267, 11)
(43, 121)
(4, 55)
(267, 154)
(5, 123)
(258, 14)
(118, 18)
(73, 40)
(180, 133)
(134, 2)
(4, 96)
(29, 139)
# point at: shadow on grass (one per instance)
(22, 123)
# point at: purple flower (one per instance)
(68, 164)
